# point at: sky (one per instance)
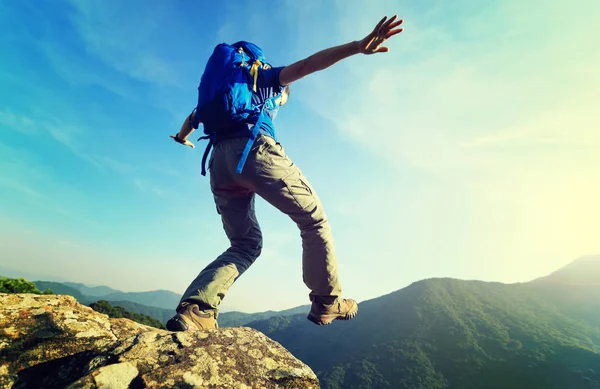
(469, 150)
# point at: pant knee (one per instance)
(314, 223)
(249, 250)
(255, 251)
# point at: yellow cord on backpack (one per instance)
(254, 72)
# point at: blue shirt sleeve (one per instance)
(269, 78)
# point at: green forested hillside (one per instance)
(160, 314)
(445, 333)
(574, 289)
(105, 307)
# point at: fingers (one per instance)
(386, 25)
(386, 28)
(393, 32)
(396, 24)
(378, 26)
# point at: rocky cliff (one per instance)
(52, 341)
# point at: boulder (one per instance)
(52, 341)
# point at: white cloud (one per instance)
(77, 71)
(33, 194)
(149, 186)
(19, 175)
(123, 34)
(36, 187)
(16, 122)
(76, 139)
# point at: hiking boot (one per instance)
(190, 318)
(323, 314)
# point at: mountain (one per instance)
(582, 272)
(75, 290)
(158, 304)
(158, 313)
(574, 289)
(96, 291)
(60, 288)
(446, 333)
(164, 299)
(155, 298)
(226, 319)
(113, 311)
(239, 319)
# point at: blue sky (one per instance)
(468, 151)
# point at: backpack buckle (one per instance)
(241, 51)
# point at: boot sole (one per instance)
(328, 319)
(173, 326)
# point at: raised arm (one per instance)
(371, 44)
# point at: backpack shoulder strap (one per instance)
(270, 102)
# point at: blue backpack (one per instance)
(225, 105)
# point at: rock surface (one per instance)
(52, 341)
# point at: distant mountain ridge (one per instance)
(581, 272)
(160, 314)
(149, 303)
(63, 288)
(155, 298)
(95, 291)
(238, 319)
(574, 289)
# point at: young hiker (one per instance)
(239, 96)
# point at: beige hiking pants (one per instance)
(269, 173)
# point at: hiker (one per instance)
(237, 105)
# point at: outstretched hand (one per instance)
(184, 142)
(385, 29)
